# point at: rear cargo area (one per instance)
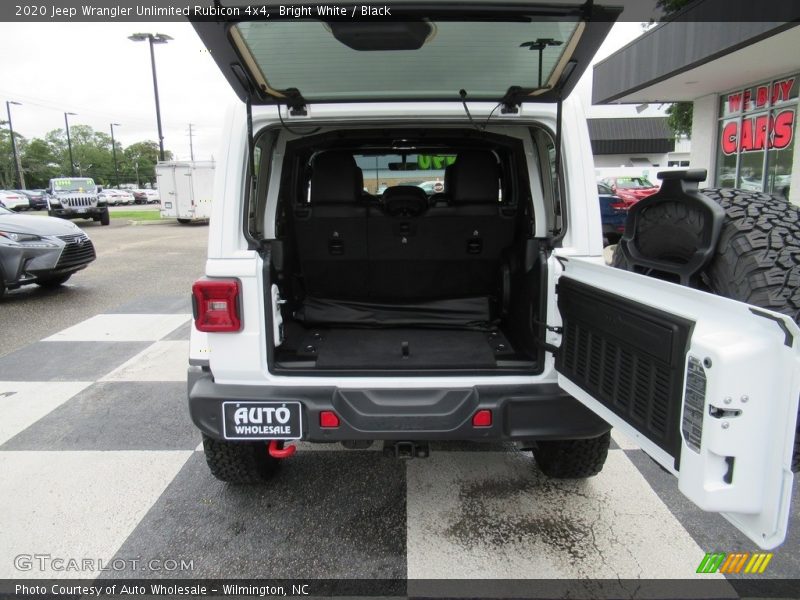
(407, 280)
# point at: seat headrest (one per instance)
(448, 178)
(405, 201)
(335, 179)
(475, 178)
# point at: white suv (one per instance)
(485, 312)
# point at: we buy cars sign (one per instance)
(757, 132)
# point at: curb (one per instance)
(160, 222)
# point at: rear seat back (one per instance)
(451, 250)
(331, 231)
(401, 249)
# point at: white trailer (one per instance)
(185, 188)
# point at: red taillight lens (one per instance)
(482, 418)
(328, 418)
(620, 205)
(216, 305)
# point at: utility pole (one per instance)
(114, 152)
(20, 178)
(191, 146)
(69, 144)
(158, 38)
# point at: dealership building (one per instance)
(743, 80)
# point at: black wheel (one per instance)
(50, 213)
(572, 459)
(239, 462)
(53, 282)
(184, 221)
(105, 218)
(757, 260)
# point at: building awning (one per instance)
(692, 57)
(642, 135)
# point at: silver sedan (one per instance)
(41, 250)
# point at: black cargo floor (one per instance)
(403, 348)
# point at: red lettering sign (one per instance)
(762, 95)
(780, 91)
(729, 138)
(758, 133)
(782, 130)
(734, 102)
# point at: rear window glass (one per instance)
(483, 58)
(633, 182)
(386, 170)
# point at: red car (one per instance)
(630, 188)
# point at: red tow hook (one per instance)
(276, 449)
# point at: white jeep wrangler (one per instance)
(331, 312)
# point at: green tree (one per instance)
(139, 162)
(8, 172)
(679, 118)
(39, 163)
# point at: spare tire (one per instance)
(757, 259)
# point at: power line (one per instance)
(60, 107)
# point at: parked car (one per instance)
(76, 198)
(631, 188)
(116, 197)
(613, 213)
(144, 196)
(36, 198)
(432, 187)
(14, 200)
(43, 250)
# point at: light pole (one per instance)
(20, 180)
(157, 38)
(114, 152)
(69, 144)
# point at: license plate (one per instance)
(167, 204)
(81, 210)
(262, 421)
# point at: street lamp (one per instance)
(14, 143)
(157, 38)
(69, 143)
(114, 152)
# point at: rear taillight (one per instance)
(216, 305)
(620, 205)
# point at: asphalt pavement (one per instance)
(132, 260)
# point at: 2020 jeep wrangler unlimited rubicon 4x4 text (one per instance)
(346, 300)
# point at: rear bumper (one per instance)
(523, 413)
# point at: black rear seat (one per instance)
(401, 249)
(332, 231)
(471, 232)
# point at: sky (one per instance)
(92, 69)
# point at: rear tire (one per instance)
(239, 462)
(53, 282)
(572, 459)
